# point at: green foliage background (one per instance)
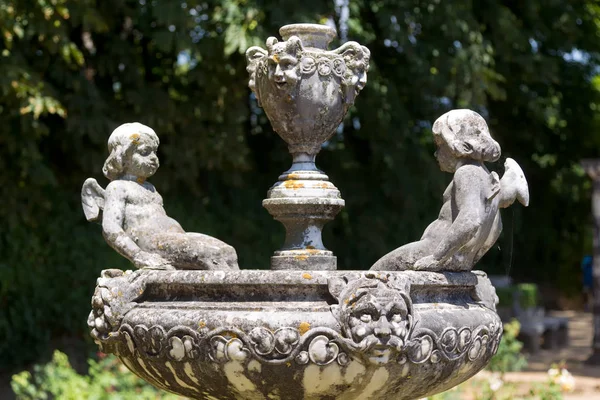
(73, 70)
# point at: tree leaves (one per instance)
(74, 70)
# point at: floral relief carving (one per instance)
(183, 348)
(109, 304)
(309, 66)
(454, 344)
(324, 66)
(320, 346)
(223, 349)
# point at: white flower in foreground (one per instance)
(495, 382)
(552, 372)
(566, 381)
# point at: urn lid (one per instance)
(312, 35)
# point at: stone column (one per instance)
(592, 167)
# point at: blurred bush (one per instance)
(107, 379)
(508, 358)
(526, 293)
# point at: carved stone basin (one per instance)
(298, 334)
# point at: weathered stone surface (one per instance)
(469, 222)
(305, 91)
(307, 331)
(295, 334)
(131, 211)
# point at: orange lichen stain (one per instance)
(290, 184)
(293, 176)
(202, 324)
(306, 275)
(135, 138)
(140, 180)
(288, 364)
(312, 251)
(301, 257)
(303, 327)
(310, 247)
(276, 58)
(323, 185)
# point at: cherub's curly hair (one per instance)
(120, 145)
(467, 135)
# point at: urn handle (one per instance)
(253, 55)
(356, 57)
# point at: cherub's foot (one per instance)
(164, 267)
(223, 265)
(146, 260)
(389, 264)
(428, 263)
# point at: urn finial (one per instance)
(305, 91)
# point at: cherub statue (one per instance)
(469, 222)
(131, 211)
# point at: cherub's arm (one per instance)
(112, 223)
(468, 200)
(491, 239)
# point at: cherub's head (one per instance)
(463, 134)
(132, 150)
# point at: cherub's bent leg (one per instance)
(227, 252)
(403, 258)
(194, 251)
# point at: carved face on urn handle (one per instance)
(282, 63)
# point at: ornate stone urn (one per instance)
(420, 322)
(305, 91)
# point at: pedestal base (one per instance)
(303, 260)
(303, 200)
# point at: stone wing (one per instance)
(92, 200)
(513, 185)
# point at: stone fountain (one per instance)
(189, 321)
